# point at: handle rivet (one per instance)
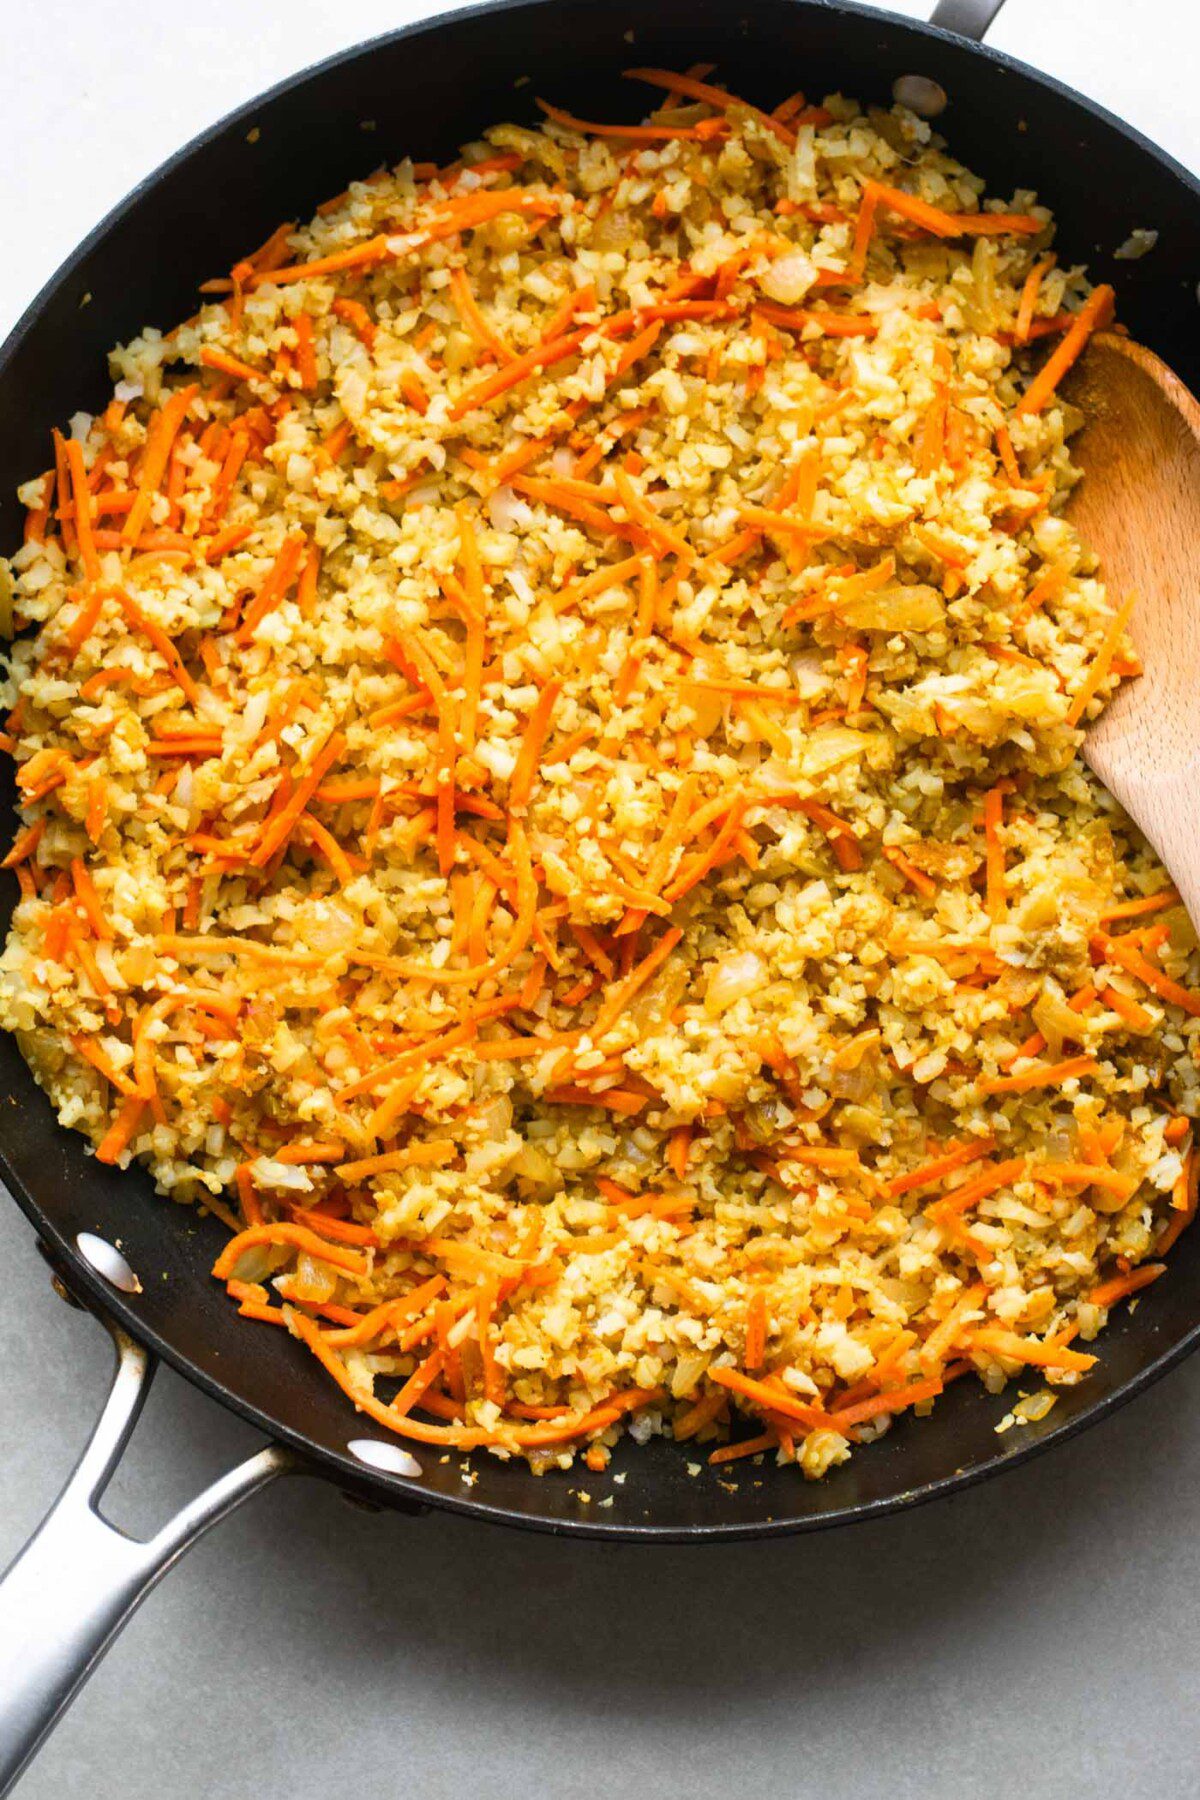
(107, 1261)
(921, 94)
(393, 1459)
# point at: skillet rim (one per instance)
(846, 9)
(398, 1492)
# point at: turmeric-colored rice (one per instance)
(548, 744)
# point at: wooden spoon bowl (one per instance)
(1138, 507)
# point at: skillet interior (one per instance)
(424, 91)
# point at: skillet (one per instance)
(424, 91)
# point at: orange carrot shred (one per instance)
(275, 586)
(1096, 311)
(756, 1331)
(163, 430)
(1099, 667)
(520, 785)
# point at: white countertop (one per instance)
(1038, 1636)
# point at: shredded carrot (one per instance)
(444, 760)
(942, 1339)
(821, 319)
(520, 785)
(24, 844)
(924, 884)
(493, 1374)
(89, 899)
(580, 300)
(93, 1053)
(751, 1446)
(1047, 587)
(355, 314)
(931, 450)
(1014, 1348)
(162, 643)
(1099, 667)
(542, 356)
(162, 434)
(864, 228)
(562, 1429)
(84, 622)
(413, 391)
(326, 846)
(712, 96)
(382, 1320)
(939, 1167)
(1096, 311)
(281, 827)
(65, 511)
(1088, 1175)
(306, 352)
(275, 586)
(1029, 298)
(306, 591)
(37, 518)
(678, 1151)
(122, 1131)
(85, 956)
(866, 581)
(1148, 903)
(357, 256)
(756, 1331)
(846, 851)
(704, 1412)
(1109, 1292)
(614, 1099)
(895, 1400)
(967, 1194)
(773, 1399)
(428, 1153)
(620, 996)
(941, 223)
(299, 1236)
(1128, 1010)
(82, 501)
(634, 134)
(468, 309)
(299, 1152)
(694, 871)
(225, 364)
(1042, 1075)
(1185, 1197)
(1125, 955)
(230, 539)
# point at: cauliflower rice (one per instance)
(549, 758)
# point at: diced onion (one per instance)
(734, 976)
(789, 278)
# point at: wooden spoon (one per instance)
(1138, 507)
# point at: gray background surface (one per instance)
(1039, 1636)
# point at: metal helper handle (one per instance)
(969, 18)
(79, 1579)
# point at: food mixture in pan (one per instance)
(548, 749)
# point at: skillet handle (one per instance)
(79, 1579)
(968, 18)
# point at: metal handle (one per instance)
(79, 1579)
(969, 18)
